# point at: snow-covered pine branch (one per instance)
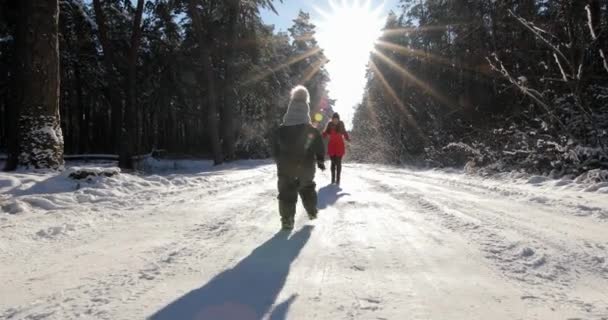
(594, 35)
(605, 62)
(533, 94)
(590, 22)
(530, 26)
(561, 69)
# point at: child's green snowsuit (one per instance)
(297, 149)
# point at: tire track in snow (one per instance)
(489, 212)
(596, 206)
(518, 250)
(439, 263)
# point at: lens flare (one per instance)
(318, 117)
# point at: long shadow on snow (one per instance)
(329, 195)
(247, 291)
(201, 167)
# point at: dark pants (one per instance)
(290, 187)
(336, 169)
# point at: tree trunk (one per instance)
(12, 136)
(81, 122)
(112, 95)
(230, 98)
(14, 98)
(128, 142)
(40, 136)
(207, 66)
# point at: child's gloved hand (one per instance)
(321, 165)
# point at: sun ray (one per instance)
(410, 118)
(372, 112)
(405, 51)
(403, 31)
(292, 61)
(378, 10)
(334, 7)
(423, 85)
(322, 12)
(410, 52)
(313, 70)
(248, 42)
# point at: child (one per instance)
(297, 147)
(336, 132)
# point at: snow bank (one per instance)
(150, 164)
(84, 187)
(76, 188)
(590, 181)
(153, 165)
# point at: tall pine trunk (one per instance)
(40, 136)
(129, 141)
(14, 12)
(83, 118)
(230, 98)
(209, 77)
(113, 95)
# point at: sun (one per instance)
(347, 33)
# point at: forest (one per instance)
(485, 85)
(491, 86)
(188, 78)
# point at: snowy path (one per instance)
(391, 244)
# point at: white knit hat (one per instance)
(300, 93)
(298, 111)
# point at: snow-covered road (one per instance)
(389, 244)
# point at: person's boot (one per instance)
(287, 224)
(313, 214)
(309, 200)
(287, 211)
(333, 175)
(339, 173)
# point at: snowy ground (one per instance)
(201, 243)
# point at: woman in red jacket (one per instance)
(336, 132)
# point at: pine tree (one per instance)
(40, 136)
(309, 70)
(509, 83)
(9, 84)
(205, 34)
(194, 86)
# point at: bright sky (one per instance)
(346, 31)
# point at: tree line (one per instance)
(491, 84)
(189, 77)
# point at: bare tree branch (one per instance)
(533, 29)
(594, 35)
(533, 94)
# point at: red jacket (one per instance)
(336, 134)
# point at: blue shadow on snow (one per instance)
(249, 290)
(329, 195)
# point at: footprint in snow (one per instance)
(373, 300)
(372, 304)
(358, 268)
